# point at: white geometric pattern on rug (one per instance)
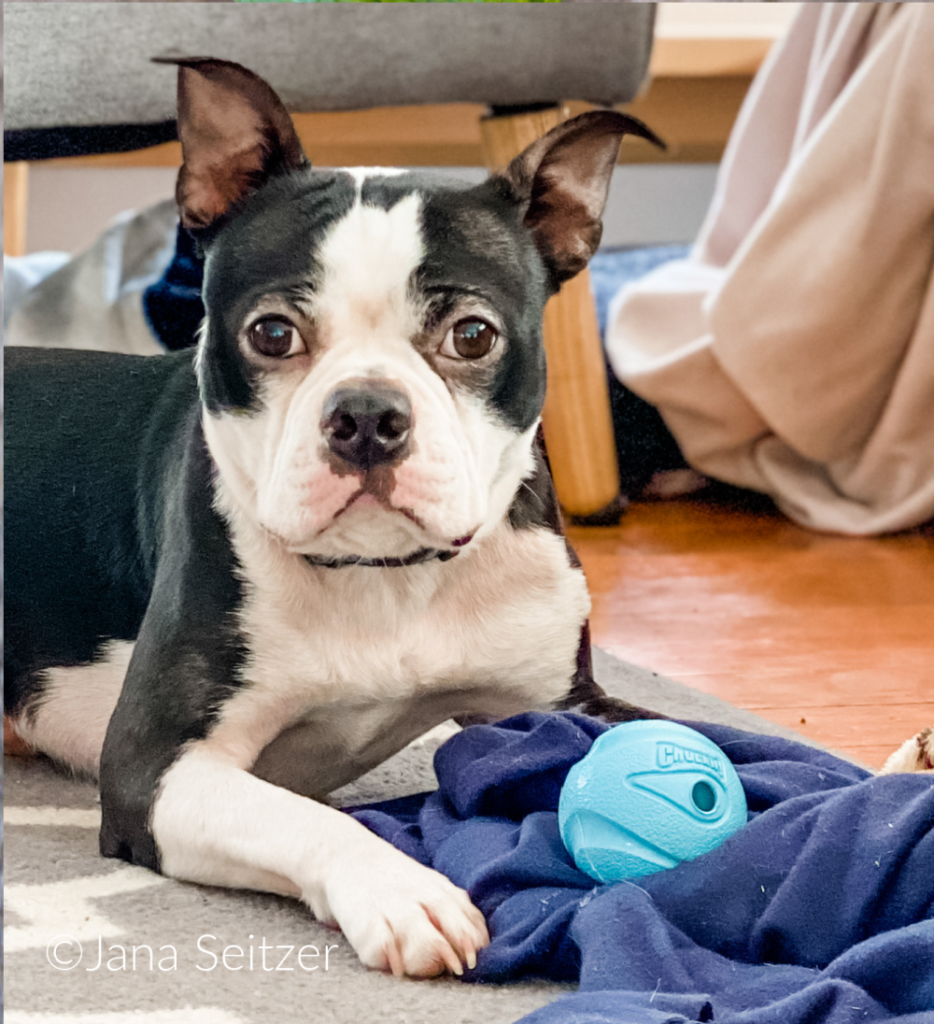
(76, 817)
(64, 908)
(202, 1015)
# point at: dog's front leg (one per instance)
(190, 809)
(216, 824)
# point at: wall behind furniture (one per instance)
(69, 206)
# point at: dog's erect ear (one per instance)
(235, 135)
(563, 179)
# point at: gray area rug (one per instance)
(65, 906)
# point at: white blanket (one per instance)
(793, 352)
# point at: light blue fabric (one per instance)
(92, 300)
(611, 269)
(22, 273)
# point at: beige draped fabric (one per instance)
(793, 352)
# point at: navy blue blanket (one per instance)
(820, 910)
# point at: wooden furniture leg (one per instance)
(15, 183)
(577, 420)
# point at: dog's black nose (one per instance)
(367, 425)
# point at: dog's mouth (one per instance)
(370, 496)
(366, 498)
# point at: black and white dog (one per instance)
(239, 577)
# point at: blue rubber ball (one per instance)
(647, 796)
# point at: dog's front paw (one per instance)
(402, 917)
(914, 755)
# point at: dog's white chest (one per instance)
(348, 665)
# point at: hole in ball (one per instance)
(703, 796)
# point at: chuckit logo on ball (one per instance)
(671, 754)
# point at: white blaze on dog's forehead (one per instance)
(360, 174)
(368, 259)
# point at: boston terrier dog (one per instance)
(240, 576)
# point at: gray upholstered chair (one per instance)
(79, 80)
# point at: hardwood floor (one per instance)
(832, 636)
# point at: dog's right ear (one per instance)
(235, 135)
(561, 182)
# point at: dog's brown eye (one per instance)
(276, 338)
(471, 338)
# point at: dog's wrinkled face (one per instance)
(371, 362)
(365, 339)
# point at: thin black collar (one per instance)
(341, 561)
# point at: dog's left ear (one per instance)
(235, 135)
(563, 179)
